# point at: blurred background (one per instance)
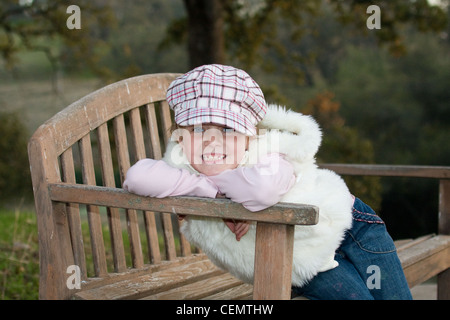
(381, 95)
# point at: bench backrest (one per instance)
(93, 142)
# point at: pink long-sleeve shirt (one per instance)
(256, 187)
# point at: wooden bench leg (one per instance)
(443, 281)
(273, 261)
(443, 278)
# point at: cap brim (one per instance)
(234, 120)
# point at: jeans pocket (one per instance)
(372, 238)
(369, 231)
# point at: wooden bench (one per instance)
(83, 213)
(97, 241)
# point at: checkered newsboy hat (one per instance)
(217, 94)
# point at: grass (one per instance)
(19, 255)
(19, 252)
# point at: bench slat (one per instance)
(73, 215)
(145, 285)
(439, 172)
(115, 226)
(412, 242)
(124, 164)
(425, 259)
(199, 289)
(241, 292)
(94, 219)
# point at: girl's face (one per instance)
(212, 149)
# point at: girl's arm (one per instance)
(260, 186)
(155, 178)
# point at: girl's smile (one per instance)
(213, 158)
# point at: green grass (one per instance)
(19, 252)
(19, 256)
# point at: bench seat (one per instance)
(195, 277)
(424, 257)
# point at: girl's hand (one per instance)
(239, 228)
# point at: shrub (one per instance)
(15, 181)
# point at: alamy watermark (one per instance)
(374, 20)
(374, 280)
(74, 20)
(74, 280)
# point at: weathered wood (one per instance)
(425, 259)
(124, 164)
(443, 278)
(389, 170)
(73, 215)
(115, 226)
(169, 240)
(241, 292)
(166, 120)
(405, 244)
(184, 244)
(152, 126)
(72, 123)
(52, 257)
(95, 223)
(444, 207)
(154, 283)
(273, 261)
(199, 289)
(152, 237)
(147, 269)
(282, 213)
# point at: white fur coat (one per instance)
(298, 137)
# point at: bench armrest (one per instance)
(282, 213)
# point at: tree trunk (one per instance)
(205, 32)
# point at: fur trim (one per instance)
(302, 131)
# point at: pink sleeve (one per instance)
(155, 178)
(260, 186)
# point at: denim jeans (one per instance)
(369, 268)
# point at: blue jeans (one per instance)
(369, 268)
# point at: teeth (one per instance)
(211, 158)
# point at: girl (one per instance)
(216, 151)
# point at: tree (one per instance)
(244, 29)
(205, 28)
(41, 25)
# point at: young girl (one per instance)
(216, 151)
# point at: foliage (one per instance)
(256, 31)
(395, 15)
(40, 25)
(343, 144)
(14, 169)
(137, 41)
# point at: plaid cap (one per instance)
(217, 94)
